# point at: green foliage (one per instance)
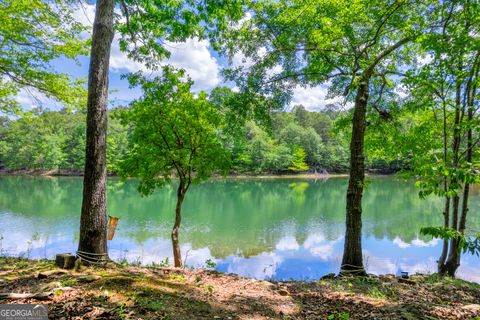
(332, 41)
(38, 142)
(162, 264)
(149, 24)
(51, 140)
(210, 264)
(465, 243)
(173, 131)
(34, 33)
(29, 142)
(339, 316)
(69, 282)
(298, 163)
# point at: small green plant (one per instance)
(376, 293)
(339, 316)
(164, 263)
(210, 264)
(210, 289)
(177, 277)
(161, 264)
(121, 312)
(137, 262)
(123, 262)
(21, 264)
(152, 305)
(70, 282)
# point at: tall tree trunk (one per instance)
(453, 261)
(446, 224)
(352, 262)
(448, 266)
(93, 221)
(177, 257)
(446, 211)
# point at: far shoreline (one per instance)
(233, 176)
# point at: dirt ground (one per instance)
(128, 292)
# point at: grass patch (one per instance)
(70, 282)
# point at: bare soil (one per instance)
(128, 292)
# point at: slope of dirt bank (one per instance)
(128, 292)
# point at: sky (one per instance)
(203, 65)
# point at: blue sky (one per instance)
(195, 56)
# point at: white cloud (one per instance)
(313, 99)
(239, 60)
(85, 14)
(262, 266)
(424, 60)
(287, 243)
(319, 246)
(155, 250)
(416, 243)
(31, 98)
(379, 265)
(468, 272)
(313, 240)
(421, 243)
(400, 243)
(193, 55)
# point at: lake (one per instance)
(278, 229)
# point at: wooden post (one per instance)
(65, 260)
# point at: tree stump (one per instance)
(65, 261)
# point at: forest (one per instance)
(56, 141)
(400, 96)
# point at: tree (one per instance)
(146, 26)
(92, 245)
(173, 132)
(34, 33)
(50, 140)
(298, 163)
(307, 138)
(440, 127)
(356, 46)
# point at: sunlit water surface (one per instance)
(268, 229)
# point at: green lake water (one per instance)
(262, 228)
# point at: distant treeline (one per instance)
(298, 140)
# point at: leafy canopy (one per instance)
(147, 25)
(290, 43)
(298, 163)
(173, 131)
(34, 33)
(467, 244)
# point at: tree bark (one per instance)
(352, 262)
(446, 224)
(448, 266)
(93, 221)
(453, 262)
(446, 211)
(177, 257)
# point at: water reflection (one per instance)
(280, 229)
